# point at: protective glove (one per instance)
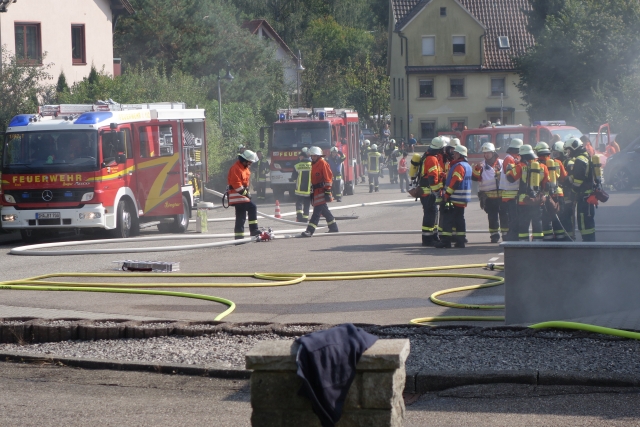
(448, 206)
(327, 196)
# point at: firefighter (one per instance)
(238, 179)
(373, 162)
(581, 181)
(566, 217)
(487, 174)
(321, 180)
(557, 157)
(364, 153)
(544, 158)
(456, 196)
(430, 179)
(335, 162)
(241, 148)
(301, 175)
(403, 173)
(586, 143)
(531, 177)
(392, 154)
(509, 192)
(261, 168)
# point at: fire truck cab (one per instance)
(502, 135)
(321, 127)
(106, 166)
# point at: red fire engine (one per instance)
(321, 127)
(105, 166)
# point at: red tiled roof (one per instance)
(255, 24)
(500, 18)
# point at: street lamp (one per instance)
(228, 77)
(299, 71)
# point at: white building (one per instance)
(72, 34)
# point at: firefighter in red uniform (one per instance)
(321, 180)
(238, 179)
(430, 180)
(509, 192)
(532, 177)
(457, 195)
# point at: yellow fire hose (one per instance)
(38, 283)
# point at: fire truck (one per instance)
(321, 127)
(502, 135)
(106, 166)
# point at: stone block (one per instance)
(381, 388)
(277, 390)
(273, 356)
(410, 382)
(354, 396)
(266, 419)
(300, 419)
(372, 418)
(385, 355)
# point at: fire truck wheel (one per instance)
(181, 222)
(30, 236)
(126, 222)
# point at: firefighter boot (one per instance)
(427, 240)
(495, 238)
(370, 188)
(444, 243)
(460, 241)
(333, 227)
(253, 230)
(589, 237)
(308, 232)
(376, 189)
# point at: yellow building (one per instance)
(449, 64)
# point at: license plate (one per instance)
(48, 215)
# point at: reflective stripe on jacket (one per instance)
(303, 182)
(458, 185)
(509, 189)
(374, 161)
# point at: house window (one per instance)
(394, 88)
(497, 86)
(428, 45)
(78, 54)
(503, 42)
(457, 124)
(426, 88)
(459, 45)
(427, 130)
(443, 11)
(28, 43)
(457, 88)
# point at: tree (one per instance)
(62, 85)
(585, 61)
(21, 87)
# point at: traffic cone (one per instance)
(277, 215)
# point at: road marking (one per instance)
(493, 259)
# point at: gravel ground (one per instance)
(463, 349)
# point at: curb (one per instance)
(416, 382)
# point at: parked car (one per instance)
(622, 170)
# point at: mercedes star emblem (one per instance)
(47, 195)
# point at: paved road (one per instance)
(55, 396)
(368, 301)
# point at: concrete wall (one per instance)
(563, 281)
(55, 18)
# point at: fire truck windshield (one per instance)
(50, 151)
(301, 134)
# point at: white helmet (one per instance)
(334, 149)
(572, 144)
(374, 147)
(515, 143)
(367, 142)
(305, 150)
(527, 149)
(315, 151)
(249, 156)
(454, 142)
(542, 148)
(558, 146)
(437, 143)
(488, 147)
(461, 149)
(392, 141)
